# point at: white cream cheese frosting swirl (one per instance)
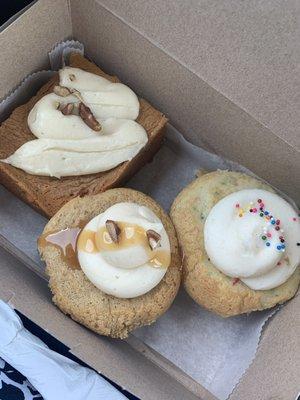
(129, 268)
(254, 235)
(65, 145)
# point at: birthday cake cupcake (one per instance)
(241, 243)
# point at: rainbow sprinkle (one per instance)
(268, 217)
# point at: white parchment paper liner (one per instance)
(58, 56)
(213, 351)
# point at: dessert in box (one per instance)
(205, 116)
(72, 152)
(113, 260)
(240, 243)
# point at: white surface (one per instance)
(48, 371)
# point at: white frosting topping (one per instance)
(106, 99)
(66, 146)
(124, 272)
(260, 250)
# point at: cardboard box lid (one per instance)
(198, 108)
(248, 52)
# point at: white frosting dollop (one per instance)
(66, 146)
(105, 98)
(252, 235)
(124, 272)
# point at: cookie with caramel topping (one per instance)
(76, 296)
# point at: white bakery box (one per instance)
(224, 73)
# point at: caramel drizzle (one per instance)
(65, 241)
(70, 240)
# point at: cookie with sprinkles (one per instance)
(244, 254)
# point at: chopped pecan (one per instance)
(153, 239)
(88, 117)
(113, 230)
(66, 109)
(72, 77)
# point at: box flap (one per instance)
(15, 16)
(248, 53)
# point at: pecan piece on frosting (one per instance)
(113, 230)
(82, 110)
(153, 239)
(66, 109)
(88, 117)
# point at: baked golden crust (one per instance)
(47, 194)
(205, 283)
(76, 296)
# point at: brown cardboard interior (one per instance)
(205, 116)
(261, 59)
